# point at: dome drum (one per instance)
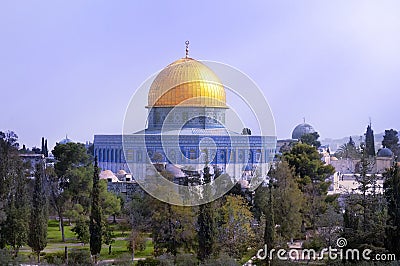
(190, 117)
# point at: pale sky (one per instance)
(72, 66)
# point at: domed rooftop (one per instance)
(385, 152)
(121, 172)
(65, 141)
(108, 175)
(187, 82)
(302, 129)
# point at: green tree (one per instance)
(365, 212)
(8, 147)
(44, 149)
(110, 205)
(311, 139)
(234, 231)
(330, 224)
(14, 208)
(64, 178)
(139, 212)
(365, 182)
(288, 201)
(81, 229)
(269, 229)
(206, 232)
(39, 214)
(68, 156)
(173, 228)
(391, 141)
(348, 150)
(392, 195)
(78, 203)
(369, 141)
(95, 226)
(311, 174)
(15, 228)
(109, 202)
(206, 223)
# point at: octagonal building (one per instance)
(185, 129)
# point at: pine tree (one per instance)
(37, 238)
(391, 141)
(369, 141)
(311, 174)
(95, 226)
(206, 223)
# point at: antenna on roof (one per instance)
(187, 48)
(304, 120)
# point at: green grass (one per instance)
(148, 252)
(119, 249)
(54, 233)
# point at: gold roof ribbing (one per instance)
(187, 82)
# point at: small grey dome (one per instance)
(302, 129)
(385, 152)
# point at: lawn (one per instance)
(54, 233)
(118, 248)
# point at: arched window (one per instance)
(118, 156)
(222, 157)
(192, 154)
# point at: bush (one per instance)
(5, 257)
(222, 260)
(54, 258)
(140, 242)
(149, 262)
(186, 259)
(316, 243)
(79, 257)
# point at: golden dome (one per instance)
(187, 82)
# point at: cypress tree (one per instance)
(37, 238)
(269, 231)
(43, 149)
(46, 150)
(95, 226)
(369, 141)
(206, 223)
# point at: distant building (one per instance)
(65, 141)
(301, 130)
(284, 145)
